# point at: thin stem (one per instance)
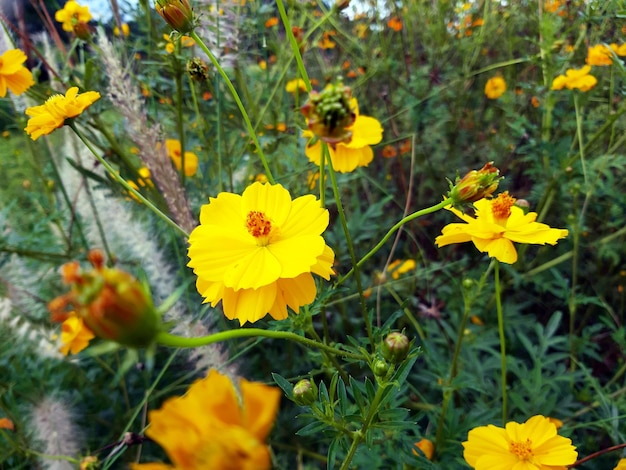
(180, 125)
(293, 43)
(392, 230)
(579, 134)
(239, 103)
(116, 176)
(502, 339)
(167, 339)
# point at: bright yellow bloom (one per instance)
(53, 113)
(620, 50)
(256, 252)
(498, 223)
(13, 75)
(575, 79)
(211, 428)
(125, 30)
(191, 159)
(399, 267)
(599, 55)
(621, 465)
(345, 157)
(185, 41)
(72, 15)
(75, 335)
(533, 445)
(495, 88)
(427, 447)
(295, 85)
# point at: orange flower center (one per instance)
(501, 207)
(522, 450)
(258, 225)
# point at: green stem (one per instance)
(579, 134)
(239, 103)
(180, 125)
(344, 225)
(502, 339)
(392, 230)
(116, 176)
(293, 43)
(167, 339)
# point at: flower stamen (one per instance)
(501, 208)
(258, 224)
(523, 450)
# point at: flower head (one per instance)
(176, 13)
(579, 79)
(599, 55)
(13, 75)
(296, 85)
(346, 156)
(475, 185)
(256, 252)
(75, 335)
(499, 223)
(210, 428)
(74, 18)
(620, 49)
(495, 87)
(112, 304)
(329, 113)
(52, 114)
(174, 152)
(533, 445)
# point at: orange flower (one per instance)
(495, 87)
(427, 448)
(6, 423)
(534, 101)
(599, 55)
(270, 23)
(75, 335)
(395, 23)
(326, 42)
(389, 151)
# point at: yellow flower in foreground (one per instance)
(13, 75)
(293, 86)
(53, 113)
(621, 465)
(495, 88)
(75, 335)
(191, 159)
(599, 55)
(533, 445)
(256, 252)
(498, 223)
(72, 15)
(575, 79)
(346, 156)
(208, 428)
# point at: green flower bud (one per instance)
(475, 185)
(305, 392)
(395, 347)
(380, 368)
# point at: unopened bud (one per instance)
(523, 204)
(475, 185)
(330, 114)
(304, 392)
(380, 368)
(395, 347)
(177, 13)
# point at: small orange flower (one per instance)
(6, 423)
(427, 448)
(206, 96)
(405, 147)
(270, 23)
(75, 335)
(534, 101)
(599, 55)
(495, 87)
(395, 23)
(389, 151)
(326, 42)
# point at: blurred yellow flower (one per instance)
(256, 252)
(621, 465)
(271, 22)
(557, 422)
(534, 445)
(495, 87)
(215, 426)
(13, 75)
(599, 55)
(427, 447)
(357, 152)
(53, 113)
(620, 50)
(170, 46)
(326, 42)
(75, 335)
(578, 79)
(293, 86)
(74, 18)
(498, 223)
(399, 267)
(174, 152)
(125, 30)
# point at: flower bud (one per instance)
(395, 347)
(177, 13)
(330, 113)
(111, 302)
(380, 368)
(475, 185)
(304, 392)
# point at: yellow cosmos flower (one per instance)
(533, 445)
(346, 157)
(620, 49)
(256, 252)
(207, 428)
(125, 30)
(75, 335)
(293, 86)
(72, 14)
(52, 114)
(575, 79)
(399, 267)
(191, 159)
(495, 88)
(13, 75)
(498, 223)
(621, 465)
(599, 55)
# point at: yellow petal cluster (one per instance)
(533, 445)
(174, 152)
(71, 15)
(208, 428)
(599, 55)
(621, 465)
(295, 85)
(347, 156)
(256, 252)
(13, 75)
(52, 114)
(75, 335)
(619, 49)
(575, 79)
(495, 88)
(498, 223)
